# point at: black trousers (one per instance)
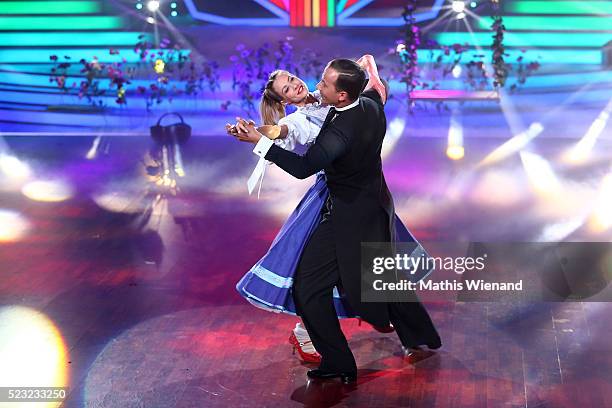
(315, 278)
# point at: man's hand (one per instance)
(231, 129)
(246, 131)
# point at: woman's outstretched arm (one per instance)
(368, 63)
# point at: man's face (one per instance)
(327, 87)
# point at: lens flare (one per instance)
(47, 191)
(32, 351)
(13, 226)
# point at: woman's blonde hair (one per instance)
(271, 107)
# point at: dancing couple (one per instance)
(312, 268)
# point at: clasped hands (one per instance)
(244, 130)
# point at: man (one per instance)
(359, 209)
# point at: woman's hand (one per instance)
(240, 126)
(246, 131)
(365, 61)
(368, 63)
(231, 129)
(240, 129)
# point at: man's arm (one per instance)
(330, 145)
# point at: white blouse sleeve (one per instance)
(300, 130)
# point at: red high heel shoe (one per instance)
(307, 357)
(380, 329)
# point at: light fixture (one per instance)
(174, 13)
(460, 16)
(153, 6)
(458, 6)
(473, 4)
(160, 65)
(173, 5)
(150, 20)
(139, 6)
(456, 71)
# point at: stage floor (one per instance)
(138, 286)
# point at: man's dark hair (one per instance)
(351, 77)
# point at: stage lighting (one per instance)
(160, 65)
(473, 4)
(173, 5)
(458, 6)
(49, 191)
(150, 20)
(456, 71)
(33, 351)
(13, 167)
(153, 6)
(460, 16)
(139, 6)
(580, 152)
(513, 145)
(93, 151)
(540, 174)
(455, 149)
(174, 13)
(394, 132)
(13, 227)
(601, 218)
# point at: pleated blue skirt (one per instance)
(268, 283)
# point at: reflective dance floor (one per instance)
(122, 289)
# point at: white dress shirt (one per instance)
(303, 127)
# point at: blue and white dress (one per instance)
(268, 284)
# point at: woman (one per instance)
(268, 284)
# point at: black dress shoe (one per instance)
(384, 329)
(347, 378)
(434, 345)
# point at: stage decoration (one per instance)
(59, 72)
(523, 71)
(170, 70)
(314, 13)
(408, 50)
(500, 68)
(164, 164)
(453, 67)
(251, 68)
(89, 86)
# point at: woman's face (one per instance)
(289, 87)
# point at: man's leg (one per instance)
(413, 324)
(315, 278)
